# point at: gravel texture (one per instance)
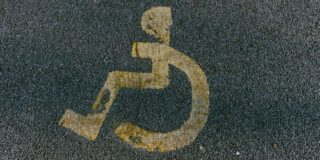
(261, 58)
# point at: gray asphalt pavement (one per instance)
(261, 58)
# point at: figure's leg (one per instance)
(101, 95)
(119, 79)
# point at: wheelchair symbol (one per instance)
(155, 22)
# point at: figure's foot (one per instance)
(86, 126)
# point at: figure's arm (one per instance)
(157, 79)
(145, 50)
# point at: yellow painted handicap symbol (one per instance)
(156, 22)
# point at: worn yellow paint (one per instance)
(157, 141)
(86, 126)
(156, 22)
(161, 56)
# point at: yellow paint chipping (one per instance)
(161, 56)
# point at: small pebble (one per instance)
(202, 149)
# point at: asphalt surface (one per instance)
(261, 58)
